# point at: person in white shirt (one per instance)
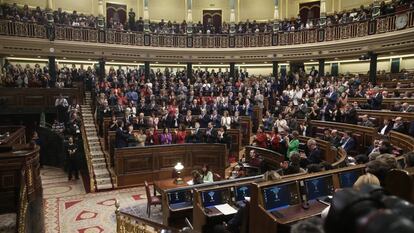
(61, 105)
(226, 120)
(207, 174)
(281, 124)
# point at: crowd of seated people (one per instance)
(37, 76)
(38, 15)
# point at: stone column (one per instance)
(101, 15)
(232, 69)
(373, 68)
(52, 70)
(101, 69)
(50, 27)
(189, 16)
(232, 16)
(322, 20)
(276, 16)
(189, 70)
(147, 69)
(376, 9)
(146, 17)
(275, 68)
(321, 69)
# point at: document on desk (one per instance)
(190, 182)
(226, 209)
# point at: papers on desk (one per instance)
(190, 182)
(226, 209)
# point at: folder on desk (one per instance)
(226, 209)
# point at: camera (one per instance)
(369, 210)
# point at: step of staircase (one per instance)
(98, 160)
(101, 173)
(104, 186)
(100, 165)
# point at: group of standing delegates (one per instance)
(151, 136)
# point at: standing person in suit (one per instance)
(248, 108)
(210, 136)
(72, 159)
(196, 136)
(375, 101)
(223, 137)
(204, 118)
(350, 114)
(152, 137)
(120, 136)
(131, 140)
(216, 119)
(347, 142)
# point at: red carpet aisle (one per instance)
(69, 210)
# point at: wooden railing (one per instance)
(88, 157)
(17, 135)
(379, 25)
(127, 223)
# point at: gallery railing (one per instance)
(389, 23)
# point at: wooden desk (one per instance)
(296, 213)
(175, 216)
(162, 186)
(263, 221)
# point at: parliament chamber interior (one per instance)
(207, 116)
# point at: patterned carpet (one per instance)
(68, 209)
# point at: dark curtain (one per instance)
(116, 12)
(213, 17)
(309, 10)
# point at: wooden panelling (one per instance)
(403, 141)
(234, 134)
(38, 97)
(134, 165)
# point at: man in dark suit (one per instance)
(216, 119)
(204, 119)
(376, 100)
(314, 155)
(196, 136)
(385, 128)
(210, 136)
(350, 115)
(347, 142)
(335, 138)
(399, 125)
(121, 137)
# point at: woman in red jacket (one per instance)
(274, 139)
(261, 138)
(181, 135)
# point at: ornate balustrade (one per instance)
(331, 33)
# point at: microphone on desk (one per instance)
(305, 203)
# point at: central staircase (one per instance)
(98, 166)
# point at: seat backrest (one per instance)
(400, 183)
(147, 190)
